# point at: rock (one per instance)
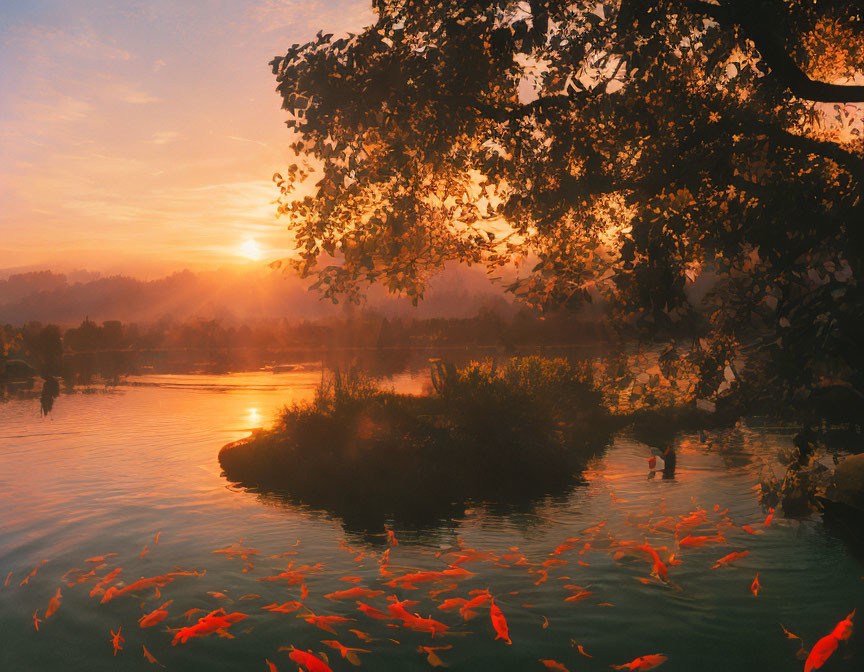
(849, 481)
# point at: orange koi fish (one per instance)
(271, 666)
(769, 518)
(553, 562)
(99, 588)
(362, 636)
(372, 612)
(432, 657)
(304, 591)
(236, 549)
(578, 597)
(566, 546)
(391, 538)
(554, 665)
(499, 622)
(754, 587)
(643, 663)
(53, 604)
(543, 574)
(217, 595)
(215, 622)
(143, 552)
(452, 603)
(580, 649)
(729, 559)
(99, 559)
(188, 615)
(153, 582)
(351, 579)
(466, 609)
(420, 624)
(154, 617)
(652, 462)
(471, 555)
(36, 621)
(294, 576)
(149, 657)
(31, 574)
(325, 622)
(698, 542)
(825, 647)
(750, 530)
(353, 593)
(8, 576)
(250, 596)
(408, 581)
(117, 640)
(347, 652)
(309, 661)
(286, 608)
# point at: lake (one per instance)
(108, 471)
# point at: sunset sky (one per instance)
(141, 136)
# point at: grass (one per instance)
(507, 433)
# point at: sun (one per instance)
(250, 250)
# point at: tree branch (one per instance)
(759, 25)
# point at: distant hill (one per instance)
(227, 295)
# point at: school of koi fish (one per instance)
(449, 589)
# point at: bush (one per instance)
(521, 430)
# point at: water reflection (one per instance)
(106, 472)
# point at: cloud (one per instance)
(164, 137)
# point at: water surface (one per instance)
(107, 471)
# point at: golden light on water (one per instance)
(250, 250)
(254, 417)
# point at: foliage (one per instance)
(637, 152)
(507, 433)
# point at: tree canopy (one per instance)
(625, 150)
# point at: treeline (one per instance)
(43, 346)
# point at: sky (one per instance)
(141, 136)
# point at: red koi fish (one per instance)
(236, 549)
(408, 581)
(188, 615)
(470, 555)
(53, 604)
(750, 530)
(452, 603)
(362, 636)
(769, 518)
(698, 542)
(27, 578)
(271, 666)
(154, 617)
(729, 559)
(432, 657)
(307, 660)
(294, 576)
(578, 597)
(215, 622)
(149, 657)
(372, 612)
(499, 623)
(446, 589)
(554, 665)
(420, 624)
(754, 587)
(99, 559)
(643, 663)
(117, 640)
(143, 552)
(36, 621)
(153, 582)
(6, 582)
(286, 608)
(353, 593)
(347, 652)
(352, 579)
(479, 600)
(391, 538)
(99, 588)
(325, 622)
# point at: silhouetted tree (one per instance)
(630, 150)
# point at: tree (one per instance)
(629, 150)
